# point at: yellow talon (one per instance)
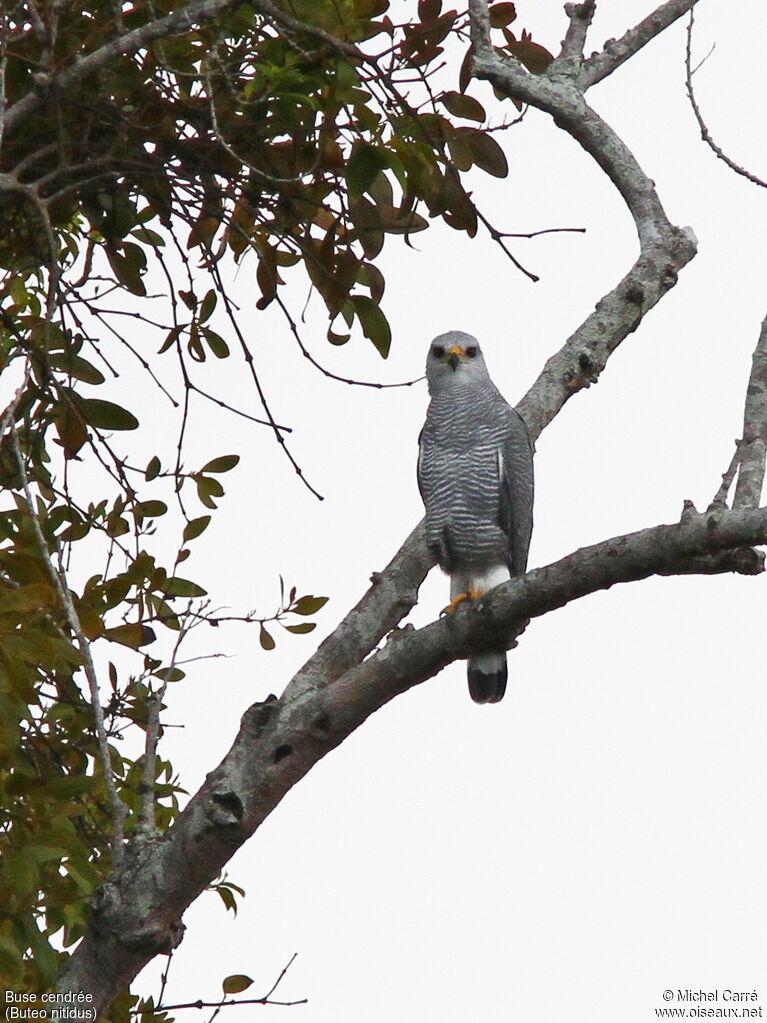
(459, 599)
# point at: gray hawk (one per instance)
(475, 474)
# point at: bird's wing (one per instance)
(419, 466)
(515, 470)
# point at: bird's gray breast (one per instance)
(460, 478)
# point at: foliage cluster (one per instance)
(132, 143)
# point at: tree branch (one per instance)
(705, 134)
(138, 914)
(617, 52)
(664, 249)
(118, 809)
(752, 450)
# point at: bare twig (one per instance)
(326, 372)
(226, 1002)
(705, 134)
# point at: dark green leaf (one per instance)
(265, 639)
(216, 343)
(150, 509)
(169, 674)
(374, 324)
(364, 165)
(308, 605)
(183, 588)
(207, 306)
(195, 527)
(77, 367)
(224, 463)
(105, 415)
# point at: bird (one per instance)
(475, 475)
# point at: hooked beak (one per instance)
(454, 357)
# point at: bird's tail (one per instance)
(487, 677)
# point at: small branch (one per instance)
(719, 499)
(580, 16)
(752, 450)
(617, 52)
(225, 1002)
(326, 372)
(58, 578)
(704, 132)
(147, 822)
(664, 249)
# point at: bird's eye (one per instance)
(439, 351)
(472, 351)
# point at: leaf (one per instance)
(133, 635)
(207, 488)
(106, 415)
(183, 588)
(374, 324)
(302, 627)
(170, 340)
(337, 339)
(77, 367)
(464, 75)
(224, 463)
(207, 306)
(70, 429)
(27, 598)
(460, 105)
(216, 343)
(150, 509)
(195, 527)
(265, 639)
(169, 674)
(152, 470)
(502, 14)
(536, 58)
(487, 153)
(127, 266)
(308, 605)
(363, 167)
(189, 299)
(428, 10)
(235, 984)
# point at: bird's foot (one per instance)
(458, 600)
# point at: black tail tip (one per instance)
(487, 687)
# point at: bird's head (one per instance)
(454, 359)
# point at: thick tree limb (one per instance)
(664, 249)
(138, 914)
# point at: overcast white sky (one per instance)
(599, 836)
